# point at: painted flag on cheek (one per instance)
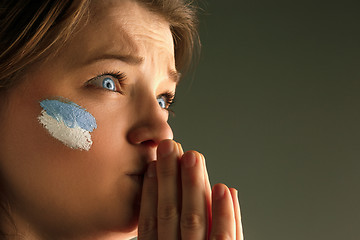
(68, 122)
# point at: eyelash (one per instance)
(170, 100)
(121, 77)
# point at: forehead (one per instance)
(127, 25)
(120, 27)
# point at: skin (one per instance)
(56, 192)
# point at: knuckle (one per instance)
(168, 212)
(192, 221)
(147, 226)
(167, 171)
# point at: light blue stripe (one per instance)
(70, 113)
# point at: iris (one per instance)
(108, 83)
(162, 102)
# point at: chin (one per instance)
(126, 220)
(130, 231)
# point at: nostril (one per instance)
(149, 143)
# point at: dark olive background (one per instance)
(274, 105)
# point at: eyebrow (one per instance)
(133, 60)
(174, 76)
(130, 59)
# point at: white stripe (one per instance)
(76, 138)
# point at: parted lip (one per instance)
(139, 169)
(137, 177)
(138, 173)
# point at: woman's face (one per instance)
(59, 189)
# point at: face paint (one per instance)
(68, 122)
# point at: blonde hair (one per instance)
(32, 30)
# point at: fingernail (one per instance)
(181, 149)
(189, 159)
(151, 171)
(218, 191)
(165, 148)
(234, 191)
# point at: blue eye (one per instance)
(165, 100)
(108, 83)
(162, 102)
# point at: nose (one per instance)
(150, 126)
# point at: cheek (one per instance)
(110, 137)
(42, 172)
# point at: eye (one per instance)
(162, 101)
(166, 100)
(110, 81)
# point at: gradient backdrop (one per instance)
(274, 105)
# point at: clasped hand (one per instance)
(178, 202)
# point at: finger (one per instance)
(181, 151)
(223, 219)
(206, 176)
(194, 210)
(207, 196)
(239, 229)
(147, 229)
(169, 197)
